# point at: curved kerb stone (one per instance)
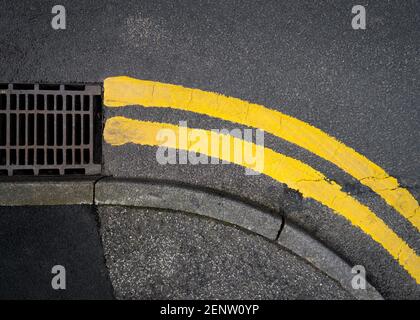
(150, 194)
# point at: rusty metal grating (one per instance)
(50, 129)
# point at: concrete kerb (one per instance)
(46, 192)
(149, 194)
(162, 196)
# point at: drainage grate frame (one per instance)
(50, 129)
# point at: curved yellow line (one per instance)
(122, 91)
(297, 175)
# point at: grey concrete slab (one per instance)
(46, 192)
(153, 254)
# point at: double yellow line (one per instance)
(123, 91)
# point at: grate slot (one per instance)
(50, 129)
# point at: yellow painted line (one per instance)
(294, 173)
(122, 91)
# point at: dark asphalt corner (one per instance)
(34, 239)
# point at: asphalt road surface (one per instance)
(299, 57)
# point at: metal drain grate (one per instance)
(50, 129)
